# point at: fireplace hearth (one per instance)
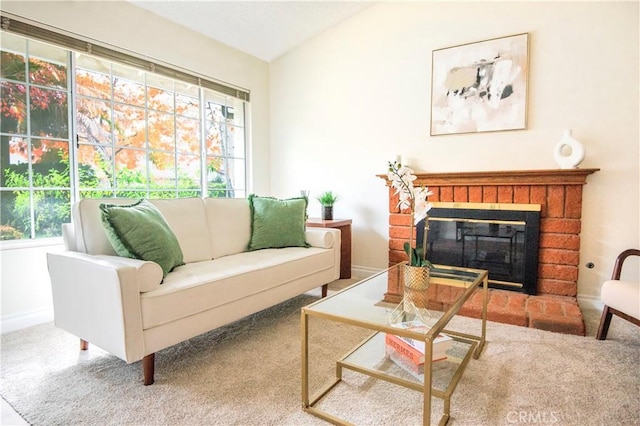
(501, 238)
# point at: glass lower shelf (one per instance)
(372, 357)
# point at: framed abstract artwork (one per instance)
(480, 87)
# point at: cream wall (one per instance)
(26, 294)
(351, 99)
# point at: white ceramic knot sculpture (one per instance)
(574, 157)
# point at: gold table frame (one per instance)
(440, 275)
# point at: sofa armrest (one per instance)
(617, 267)
(327, 238)
(323, 237)
(149, 274)
(98, 300)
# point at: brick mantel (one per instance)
(506, 177)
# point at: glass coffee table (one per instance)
(362, 305)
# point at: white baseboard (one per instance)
(362, 272)
(29, 319)
(590, 302)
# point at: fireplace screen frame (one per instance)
(499, 215)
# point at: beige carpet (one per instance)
(248, 373)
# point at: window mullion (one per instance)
(147, 141)
(176, 185)
(74, 142)
(225, 146)
(112, 128)
(32, 201)
(203, 144)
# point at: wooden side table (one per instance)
(344, 225)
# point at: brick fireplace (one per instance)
(559, 193)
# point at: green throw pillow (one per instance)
(277, 223)
(140, 231)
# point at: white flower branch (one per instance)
(412, 198)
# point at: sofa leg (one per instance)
(324, 290)
(605, 321)
(84, 345)
(148, 366)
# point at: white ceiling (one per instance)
(265, 29)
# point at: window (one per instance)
(34, 140)
(76, 126)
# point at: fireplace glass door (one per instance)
(503, 242)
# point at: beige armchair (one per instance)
(620, 297)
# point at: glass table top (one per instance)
(363, 303)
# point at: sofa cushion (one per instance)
(90, 235)
(229, 221)
(277, 223)
(198, 287)
(188, 221)
(140, 231)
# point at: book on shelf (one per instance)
(416, 370)
(410, 353)
(401, 347)
(441, 343)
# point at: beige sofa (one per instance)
(124, 305)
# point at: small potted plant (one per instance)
(327, 199)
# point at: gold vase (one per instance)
(416, 285)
